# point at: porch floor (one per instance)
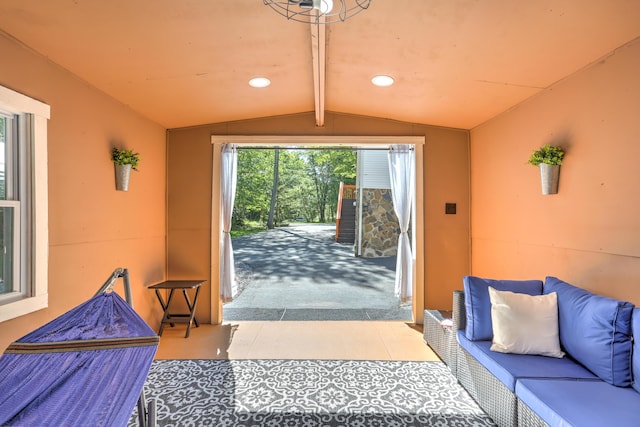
(347, 340)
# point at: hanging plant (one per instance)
(125, 157)
(124, 161)
(548, 158)
(547, 154)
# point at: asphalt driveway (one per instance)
(301, 273)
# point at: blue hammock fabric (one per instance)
(86, 367)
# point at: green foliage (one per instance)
(125, 157)
(327, 168)
(548, 154)
(253, 189)
(293, 187)
(305, 178)
(246, 229)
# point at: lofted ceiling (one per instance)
(456, 63)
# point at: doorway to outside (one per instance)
(298, 271)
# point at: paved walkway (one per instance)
(301, 273)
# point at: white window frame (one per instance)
(34, 129)
(16, 228)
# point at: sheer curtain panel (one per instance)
(401, 173)
(228, 282)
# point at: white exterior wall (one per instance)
(373, 169)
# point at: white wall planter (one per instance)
(549, 178)
(123, 172)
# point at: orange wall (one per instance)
(446, 179)
(92, 227)
(589, 233)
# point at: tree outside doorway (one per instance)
(280, 185)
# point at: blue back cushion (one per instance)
(595, 330)
(635, 362)
(478, 304)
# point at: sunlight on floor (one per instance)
(353, 340)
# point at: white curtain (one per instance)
(228, 282)
(401, 173)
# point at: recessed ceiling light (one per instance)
(259, 82)
(382, 81)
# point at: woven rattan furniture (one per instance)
(528, 418)
(438, 334)
(491, 395)
(592, 385)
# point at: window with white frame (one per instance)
(23, 204)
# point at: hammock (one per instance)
(86, 367)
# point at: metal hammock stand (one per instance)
(146, 411)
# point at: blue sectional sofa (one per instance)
(589, 375)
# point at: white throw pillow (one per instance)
(525, 324)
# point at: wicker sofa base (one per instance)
(490, 393)
(440, 338)
(528, 418)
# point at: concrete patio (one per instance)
(301, 273)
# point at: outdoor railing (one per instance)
(346, 192)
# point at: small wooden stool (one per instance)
(172, 318)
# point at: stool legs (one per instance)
(170, 318)
(165, 308)
(192, 310)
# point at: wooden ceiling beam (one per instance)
(319, 55)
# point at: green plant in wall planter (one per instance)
(124, 161)
(548, 158)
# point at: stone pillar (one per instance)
(379, 222)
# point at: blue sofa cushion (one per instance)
(478, 305)
(595, 330)
(580, 403)
(509, 368)
(635, 361)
